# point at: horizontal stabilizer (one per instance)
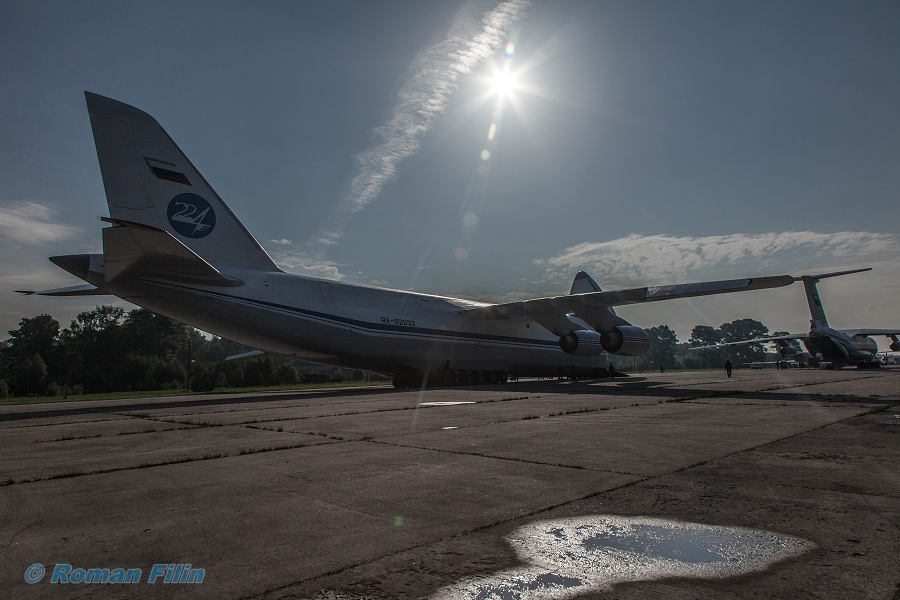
(132, 250)
(75, 290)
(245, 355)
(835, 274)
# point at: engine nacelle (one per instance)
(788, 351)
(582, 342)
(626, 340)
(895, 347)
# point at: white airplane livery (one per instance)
(174, 247)
(838, 347)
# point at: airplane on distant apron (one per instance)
(837, 347)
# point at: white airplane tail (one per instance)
(816, 311)
(584, 284)
(149, 181)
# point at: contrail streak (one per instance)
(475, 34)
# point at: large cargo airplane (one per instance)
(175, 248)
(837, 347)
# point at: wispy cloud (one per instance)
(302, 263)
(31, 223)
(281, 242)
(639, 259)
(476, 33)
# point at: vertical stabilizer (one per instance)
(149, 180)
(584, 284)
(816, 311)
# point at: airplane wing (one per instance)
(888, 332)
(244, 355)
(764, 340)
(75, 290)
(591, 306)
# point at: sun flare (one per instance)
(504, 83)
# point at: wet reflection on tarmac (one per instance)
(568, 557)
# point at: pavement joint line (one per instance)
(167, 462)
(641, 479)
(169, 419)
(857, 378)
(522, 460)
(831, 491)
(52, 424)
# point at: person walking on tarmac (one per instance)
(728, 367)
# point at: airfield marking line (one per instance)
(537, 511)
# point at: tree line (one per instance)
(109, 350)
(666, 351)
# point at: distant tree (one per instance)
(35, 337)
(705, 335)
(663, 343)
(259, 371)
(235, 376)
(150, 334)
(286, 375)
(357, 375)
(93, 349)
(30, 376)
(267, 370)
(741, 330)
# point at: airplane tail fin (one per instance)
(149, 181)
(584, 284)
(816, 311)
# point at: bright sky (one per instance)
(486, 150)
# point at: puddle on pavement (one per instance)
(567, 557)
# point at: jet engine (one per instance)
(581, 342)
(895, 347)
(788, 350)
(625, 340)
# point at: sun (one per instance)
(503, 83)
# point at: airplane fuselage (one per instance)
(337, 323)
(839, 348)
